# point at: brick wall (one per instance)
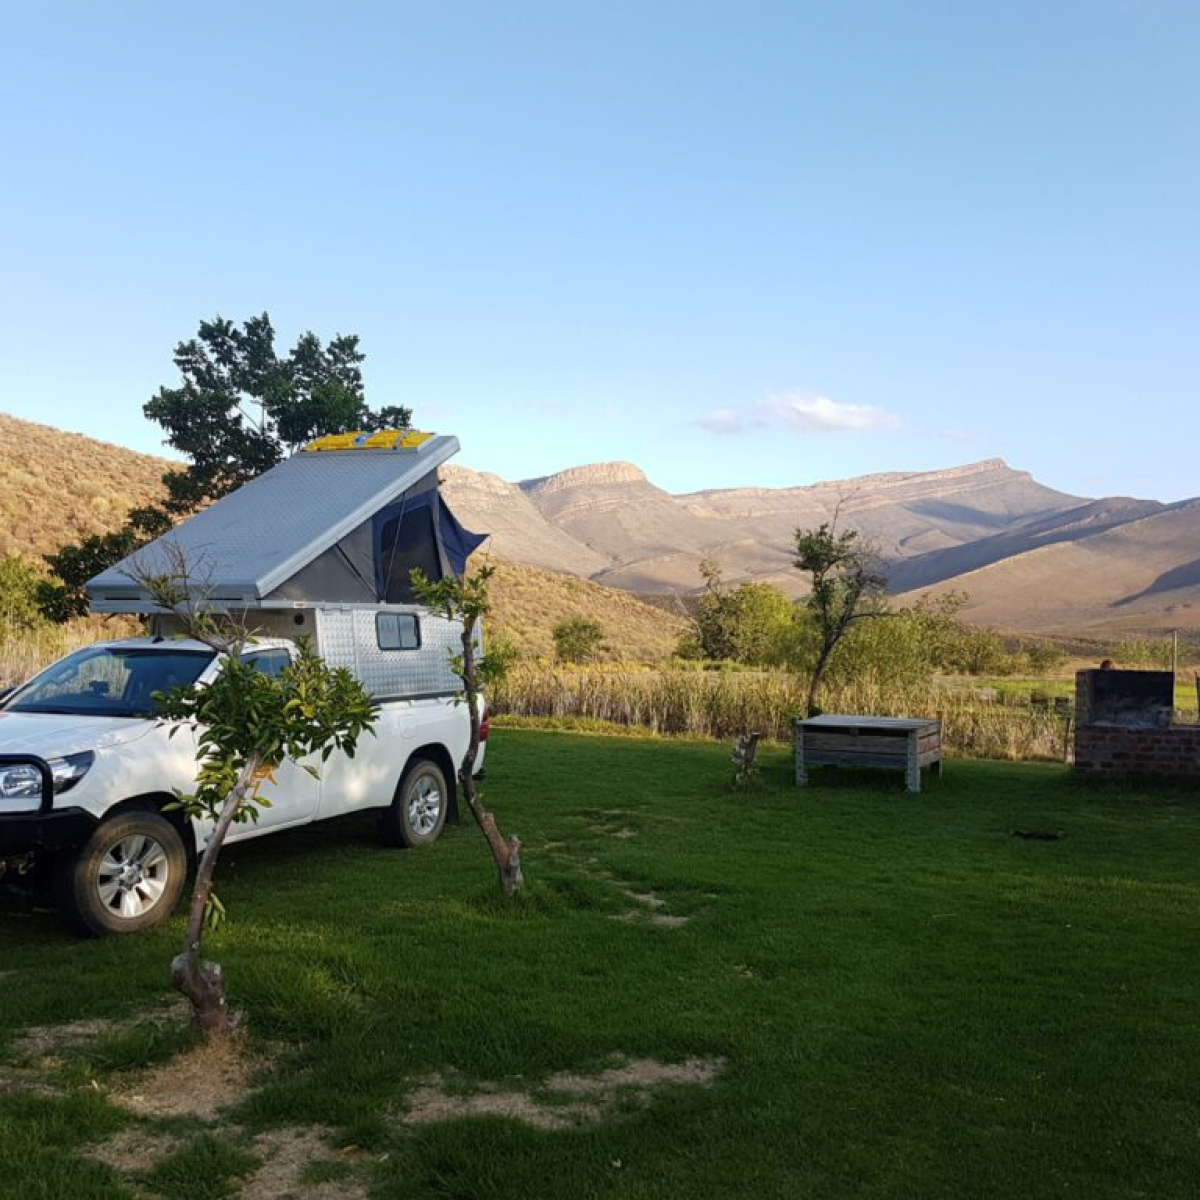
(1116, 750)
(1148, 746)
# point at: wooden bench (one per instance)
(896, 743)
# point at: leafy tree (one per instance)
(466, 599)
(19, 583)
(765, 628)
(713, 624)
(239, 408)
(577, 640)
(754, 623)
(247, 723)
(1043, 656)
(847, 587)
(897, 651)
(64, 597)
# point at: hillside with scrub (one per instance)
(58, 487)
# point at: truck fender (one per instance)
(160, 803)
(438, 753)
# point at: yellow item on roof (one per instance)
(383, 439)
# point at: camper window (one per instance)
(269, 662)
(397, 631)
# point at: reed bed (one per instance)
(24, 652)
(721, 704)
(688, 702)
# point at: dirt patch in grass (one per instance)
(133, 1150)
(31, 1083)
(209, 1076)
(49, 1041)
(641, 1073)
(651, 911)
(623, 832)
(572, 1099)
(432, 1102)
(286, 1157)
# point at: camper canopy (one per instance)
(343, 521)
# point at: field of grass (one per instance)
(841, 991)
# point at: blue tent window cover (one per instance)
(418, 531)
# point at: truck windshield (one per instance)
(109, 681)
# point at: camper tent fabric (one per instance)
(303, 531)
(418, 531)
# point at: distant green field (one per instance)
(845, 991)
(1026, 687)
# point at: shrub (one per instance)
(577, 640)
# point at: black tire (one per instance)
(418, 811)
(128, 876)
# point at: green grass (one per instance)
(1021, 688)
(909, 1001)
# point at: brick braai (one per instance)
(1124, 725)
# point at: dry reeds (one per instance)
(725, 704)
(695, 703)
(24, 652)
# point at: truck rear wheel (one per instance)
(128, 876)
(418, 812)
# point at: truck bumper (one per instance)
(59, 829)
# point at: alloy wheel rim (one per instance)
(133, 876)
(424, 805)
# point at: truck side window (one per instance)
(397, 631)
(269, 662)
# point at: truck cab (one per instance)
(89, 775)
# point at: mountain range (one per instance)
(1027, 556)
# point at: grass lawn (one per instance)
(873, 995)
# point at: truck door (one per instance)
(294, 794)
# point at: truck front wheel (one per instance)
(128, 876)
(418, 811)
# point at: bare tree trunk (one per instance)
(812, 709)
(505, 851)
(203, 983)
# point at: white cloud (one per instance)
(809, 413)
(805, 412)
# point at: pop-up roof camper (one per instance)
(340, 523)
(322, 545)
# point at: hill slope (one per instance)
(1139, 576)
(57, 487)
(527, 603)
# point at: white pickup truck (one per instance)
(88, 775)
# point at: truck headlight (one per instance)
(24, 779)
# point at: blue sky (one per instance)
(739, 243)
